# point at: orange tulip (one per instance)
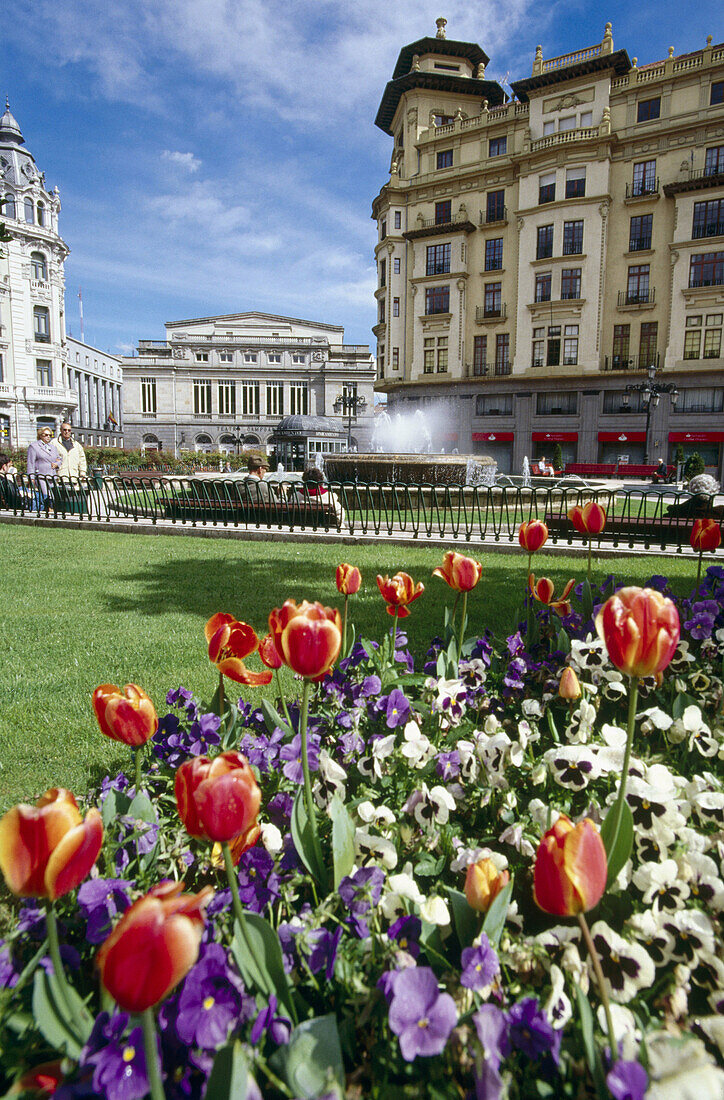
(348, 579)
(459, 572)
(230, 641)
(570, 868)
(532, 535)
(219, 799)
(398, 592)
(46, 850)
(641, 630)
(588, 519)
(705, 535)
(128, 716)
(307, 636)
(568, 686)
(268, 653)
(153, 946)
(543, 592)
(483, 883)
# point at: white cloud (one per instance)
(187, 162)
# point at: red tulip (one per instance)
(568, 686)
(459, 572)
(230, 641)
(153, 946)
(532, 535)
(543, 592)
(39, 1082)
(268, 653)
(128, 716)
(398, 592)
(348, 579)
(483, 883)
(219, 799)
(588, 519)
(307, 636)
(705, 535)
(641, 630)
(570, 868)
(46, 850)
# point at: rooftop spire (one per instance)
(9, 129)
(440, 23)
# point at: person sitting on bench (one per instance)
(543, 468)
(661, 473)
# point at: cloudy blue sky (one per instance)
(220, 155)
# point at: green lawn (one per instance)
(80, 608)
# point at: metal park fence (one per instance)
(638, 517)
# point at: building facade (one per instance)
(96, 379)
(538, 254)
(217, 384)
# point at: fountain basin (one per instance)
(411, 469)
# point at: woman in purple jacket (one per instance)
(43, 457)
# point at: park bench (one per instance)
(641, 470)
(237, 502)
(591, 469)
(663, 529)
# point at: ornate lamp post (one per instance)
(349, 404)
(651, 392)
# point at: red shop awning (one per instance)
(622, 437)
(696, 437)
(493, 437)
(555, 437)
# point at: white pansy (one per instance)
(329, 780)
(661, 882)
(468, 760)
(531, 708)
(709, 807)
(713, 1028)
(400, 889)
(628, 1034)
(692, 931)
(572, 766)
(700, 871)
(655, 844)
(380, 749)
(654, 719)
(513, 835)
(580, 727)
(558, 1006)
(539, 775)
(430, 805)
(491, 725)
(417, 748)
(378, 848)
(271, 838)
(626, 966)
(680, 1068)
(435, 911)
(449, 703)
(648, 928)
(377, 816)
(544, 816)
(465, 856)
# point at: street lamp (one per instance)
(349, 404)
(651, 392)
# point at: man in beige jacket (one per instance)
(73, 461)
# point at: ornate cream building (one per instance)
(538, 254)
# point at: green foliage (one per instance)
(694, 465)
(557, 457)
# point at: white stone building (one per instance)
(96, 379)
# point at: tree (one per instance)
(694, 465)
(557, 457)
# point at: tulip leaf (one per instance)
(563, 642)
(258, 955)
(464, 917)
(593, 1057)
(229, 1078)
(681, 702)
(342, 839)
(273, 719)
(142, 809)
(311, 1062)
(304, 841)
(60, 1014)
(496, 914)
(587, 600)
(618, 845)
(115, 805)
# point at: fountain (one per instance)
(526, 472)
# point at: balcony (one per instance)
(500, 369)
(631, 299)
(431, 227)
(51, 395)
(639, 244)
(491, 314)
(498, 216)
(698, 179)
(642, 189)
(630, 362)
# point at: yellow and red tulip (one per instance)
(268, 653)
(230, 642)
(307, 637)
(398, 592)
(705, 535)
(570, 868)
(219, 799)
(589, 518)
(483, 883)
(153, 946)
(532, 535)
(640, 628)
(348, 579)
(543, 591)
(128, 716)
(48, 849)
(459, 572)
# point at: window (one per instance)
(148, 396)
(701, 401)
(435, 354)
(639, 236)
(226, 357)
(706, 269)
(396, 265)
(41, 213)
(714, 160)
(586, 119)
(444, 120)
(494, 254)
(637, 287)
(494, 404)
(573, 238)
(44, 372)
(502, 353)
(275, 399)
(644, 177)
(575, 183)
(438, 259)
(544, 245)
(549, 127)
(443, 212)
(395, 307)
(570, 283)
(437, 299)
(383, 272)
(495, 208)
(567, 123)
(202, 397)
(428, 354)
(553, 355)
(480, 355)
(298, 358)
(445, 159)
(249, 398)
(647, 343)
(648, 109)
(621, 345)
(708, 219)
(381, 311)
(547, 187)
(381, 363)
(712, 333)
(570, 346)
(441, 354)
(39, 267)
(227, 398)
(29, 208)
(557, 403)
(41, 324)
(543, 287)
(201, 356)
(299, 398)
(250, 357)
(395, 358)
(538, 352)
(383, 228)
(613, 402)
(398, 219)
(2, 377)
(497, 147)
(274, 357)
(712, 336)
(7, 206)
(717, 92)
(491, 300)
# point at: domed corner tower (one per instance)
(34, 381)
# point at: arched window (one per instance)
(41, 213)
(39, 266)
(7, 206)
(250, 440)
(150, 443)
(29, 211)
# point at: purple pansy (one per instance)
(359, 892)
(627, 1081)
(397, 708)
(406, 931)
(211, 1001)
(479, 965)
(420, 1015)
(279, 1028)
(119, 1064)
(447, 764)
(530, 1032)
(258, 882)
(292, 754)
(323, 947)
(100, 900)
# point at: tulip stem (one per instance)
(283, 700)
(54, 948)
(462, 630)
(601, 982)
(633, 695)
(344, 627)
(394, 637)
(150, 1048)
(589, 559)
(222, 700)
(308, 800)
(137, 763)
(698, 571)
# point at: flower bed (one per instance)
(396, 882)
